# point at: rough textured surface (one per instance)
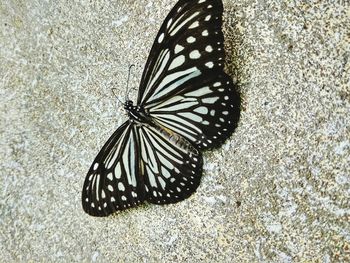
(278, 190)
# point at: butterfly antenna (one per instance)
(127, 83)
(114, 91)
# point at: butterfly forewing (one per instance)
(189, 42)
(113, 182)
(141, 163)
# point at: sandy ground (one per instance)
(277, 191)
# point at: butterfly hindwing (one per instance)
(172, 168)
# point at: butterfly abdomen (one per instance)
(177, 139)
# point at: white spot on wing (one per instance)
(209, 64)
(97, 186)
(117, 171)
(210, 100)
(201, 110)
(121, 186)
(169, 22)
(194, 25)
(160, 38)
(178, 61)
(190, 39)
(110, 176)
(178, 48)
(195, 54)
(209, 48)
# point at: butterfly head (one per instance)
(135, 112)
(129, 105)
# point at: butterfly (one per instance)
(186, 103)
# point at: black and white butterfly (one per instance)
(186, 103)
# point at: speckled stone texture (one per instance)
(277, 191)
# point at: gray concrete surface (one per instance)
(277, 191)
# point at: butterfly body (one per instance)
(186, 103)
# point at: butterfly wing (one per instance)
(184, 87)
(140, 163)
(113, 181)
(170, 165)
(205, 111)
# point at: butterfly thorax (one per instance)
(137, 112)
